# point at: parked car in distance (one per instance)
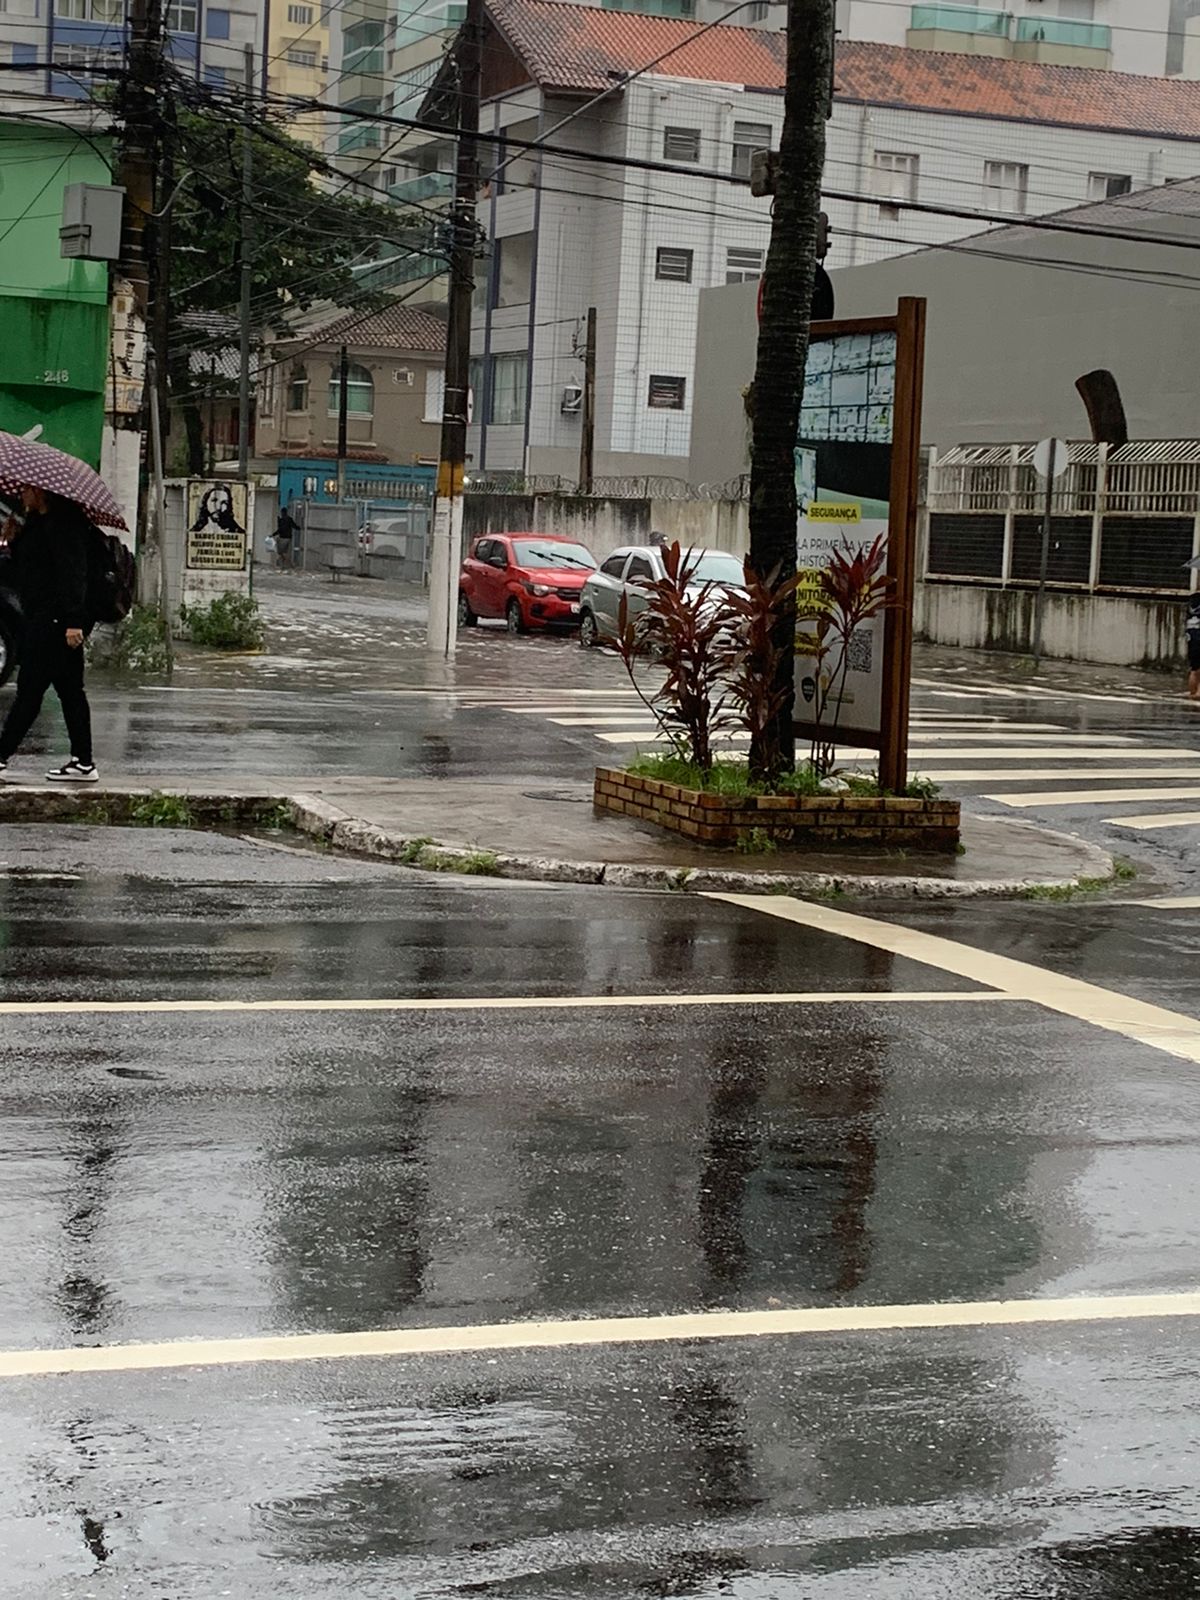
(383, 537)
(626, 573)
(532, 580)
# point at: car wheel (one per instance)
(589, 633)
(466, 617)
(8, 652)
(515, 617)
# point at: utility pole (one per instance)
(587, 441)
(442, 633)
(247, 270)
(343, 383)
(787, 292)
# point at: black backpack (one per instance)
(111, 578)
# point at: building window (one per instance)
(758, 12)
(748, 139)
(672, 265)
(510, 386)
(82, 57)
(1108, 185)
(360, 392)
(297, 391)
(183, 17)
(216, 24)
(266, 389)
(302, 55)
(300, 14)
(896, 175)
(214, 77)
(743, 266)
(435, 394)
(1005, 186)
(91, 10)
(681, 144)
(514, 270)
(666, 394)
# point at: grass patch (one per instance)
(756, 842)
(472, 863)
(412, 849)
(230, 622)
(276, 819)
(161, 811)
(1123, 870)
(1067, 891)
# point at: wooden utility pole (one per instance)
(787, 292)
(446, 553)
(247, 268)
(587, 441)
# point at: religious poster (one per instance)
(216, 526)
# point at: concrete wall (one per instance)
(1078, 627)
(1007, 336)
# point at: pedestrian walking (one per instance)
(48, 566)
(285, 530)
(1192, 631)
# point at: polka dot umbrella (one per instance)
(26, 463)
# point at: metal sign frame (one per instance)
(908, 325)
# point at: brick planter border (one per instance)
(806, 822)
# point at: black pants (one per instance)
(49, 662)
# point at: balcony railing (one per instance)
(652, 8)
(1076, 35)
(368, 58)
(961, 19)
(364, 137)
(426, 186)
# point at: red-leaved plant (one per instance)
(753, 650)
(855, 589)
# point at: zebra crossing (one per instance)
(1019, 765)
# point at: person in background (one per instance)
(49, 568)
(1192, 631)
(285, 530)
(658, 541)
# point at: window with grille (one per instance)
(743, 266)
(360, 392)
(672, 265)
(748, 138)
(300, 55)
(93, 10)
(510, 387)
(301, 14)
(666, 394)
(1108, 185)
(681, 144)
(896, 176)
(1005, 186)
(297, 390)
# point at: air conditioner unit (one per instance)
(402, 375)
(572, 400)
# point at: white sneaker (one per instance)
(74, 772)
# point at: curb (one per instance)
(327, 824)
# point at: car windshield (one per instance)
(536, 553)
(715, 566)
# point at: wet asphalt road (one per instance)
(178, 1175)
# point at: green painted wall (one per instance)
(53, 313)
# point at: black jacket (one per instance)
(49, 567)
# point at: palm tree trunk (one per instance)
(787, 289)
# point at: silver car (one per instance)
(626, 573)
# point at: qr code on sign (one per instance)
(858, 652)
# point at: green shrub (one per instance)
(230, 622)
(137, 644)
(159, 810)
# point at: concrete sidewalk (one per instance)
(549, 833)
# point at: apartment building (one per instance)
(1159, 38)
(984, 137)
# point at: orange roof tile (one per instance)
(582, 49)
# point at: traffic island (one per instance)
(797, 821)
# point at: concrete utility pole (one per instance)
(787, 292)
(442, 634)
(343, 386)
(587, 441)
(247, 269)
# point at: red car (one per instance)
(532, 580)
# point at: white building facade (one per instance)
(641, 245)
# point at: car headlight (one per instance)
(537, 588)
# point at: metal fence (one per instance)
(1124, 519)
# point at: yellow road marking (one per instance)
(391, 1342)
(1177, 1034)
(563, 1002)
